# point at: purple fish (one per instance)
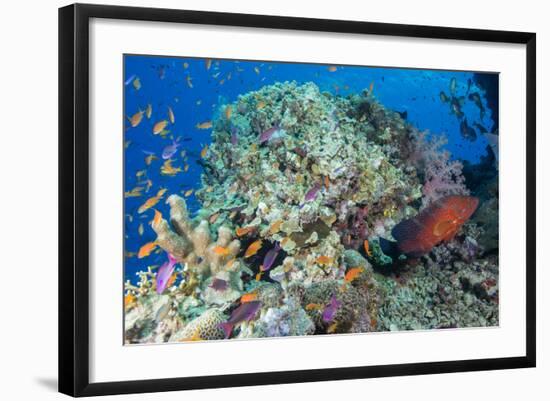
(243, 313)
(219, 285)
(268, 134)
(330, 309)
(270, 257)
(170, 150)
(164, 273)
(312, 193)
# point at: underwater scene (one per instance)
(269, 199)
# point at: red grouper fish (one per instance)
(439, 222)
(243, 313)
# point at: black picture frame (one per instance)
(74, 198)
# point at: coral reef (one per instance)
(298, 188)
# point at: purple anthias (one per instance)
(312, 193)
(243, 313)
(218, 284)
(164, 273)
(330, 310)
(268, 134)
(170, 150)
(270, 257)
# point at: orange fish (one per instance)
(149, 159)
(327, 182)
(240, 231)
(146, 249)
(252, 296)
(159, 127)
(228, 112)
(204, 125)
(129, 300)
(314, 306)
(253, 248)
(332, 68)
(260, 105)
(371, 87)
(135, 192)
(259, 275)
(439, 222)
(149, 203)
(188, 193)
(136, 119)
(171, 116)
(353, 273)
(275, 227)
(157, 218)
(367, 249)
(221, 250)
(168, 169)
(171, 280)
(204, 151)
(324, 260)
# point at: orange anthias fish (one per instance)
(146, 249)
(188, 193)
(367, 249)
(275, 227)
(313, 306)
(439, 222)
(136, 119)
(149, 203)
(252, 296)
(332, 68)
(353, 273)
(204, 151)
(324, 260)
(228, 112)
(129, 300)
(240, 231)
(204, 125)
(159, 127)
(157, 218)
(221, 250)
(253, 248)
(168, 169)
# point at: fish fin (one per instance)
(389, 248)
(405, 230)
(227, 328)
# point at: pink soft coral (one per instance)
(442, 176)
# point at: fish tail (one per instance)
(227, 328)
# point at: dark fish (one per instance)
(481, 128)
(469, 85)
(270, 257)
(456, 106)
(403, 114)
(243, 313)
(474, 97)
(466, 131)
(444, 98)
(439, 222)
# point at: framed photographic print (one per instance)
(278, 199)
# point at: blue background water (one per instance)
(164, 82)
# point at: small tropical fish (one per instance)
(148, 185)
(140, 229)
(221, 250)
(213, 218)
(146, 249)
(186, 168)
(171, 116)
(456, 106)
(257, 70)
(149, 158)
(208, 63)
(327, 182)
(259, 275)
(129, 300)
(127, 144)
(149, 203)
(439, 222)
(136, 83)
(244, 313)
(204, 151)
(172, 280)
(353, 273)
(477, 101)
(134, 192)
(141, 173)
(371, 88)
(165, 272)
(218, 284)
(443, 97)
(240, 231)
(275, 227)
(452, 86)
(136, 119)
(253, 248)
(270, 257)
(157, 218)
(251, 296)
(129, 254)
(189, 81)
(159, 127)
(313, 306)
(324, 260)
(466, 131)
(222, 81)
(330, 310)
(168, 169)
(332, 68)
(188, 193)
(129, 80)
(366, 247)
(149, 111)
(332, 328)
(228, 112)
(170, 150)
(204, 125)
(185, 65)
(260, 105)
(269, 134)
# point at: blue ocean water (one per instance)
(194, 93)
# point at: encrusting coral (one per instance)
(298, 188)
